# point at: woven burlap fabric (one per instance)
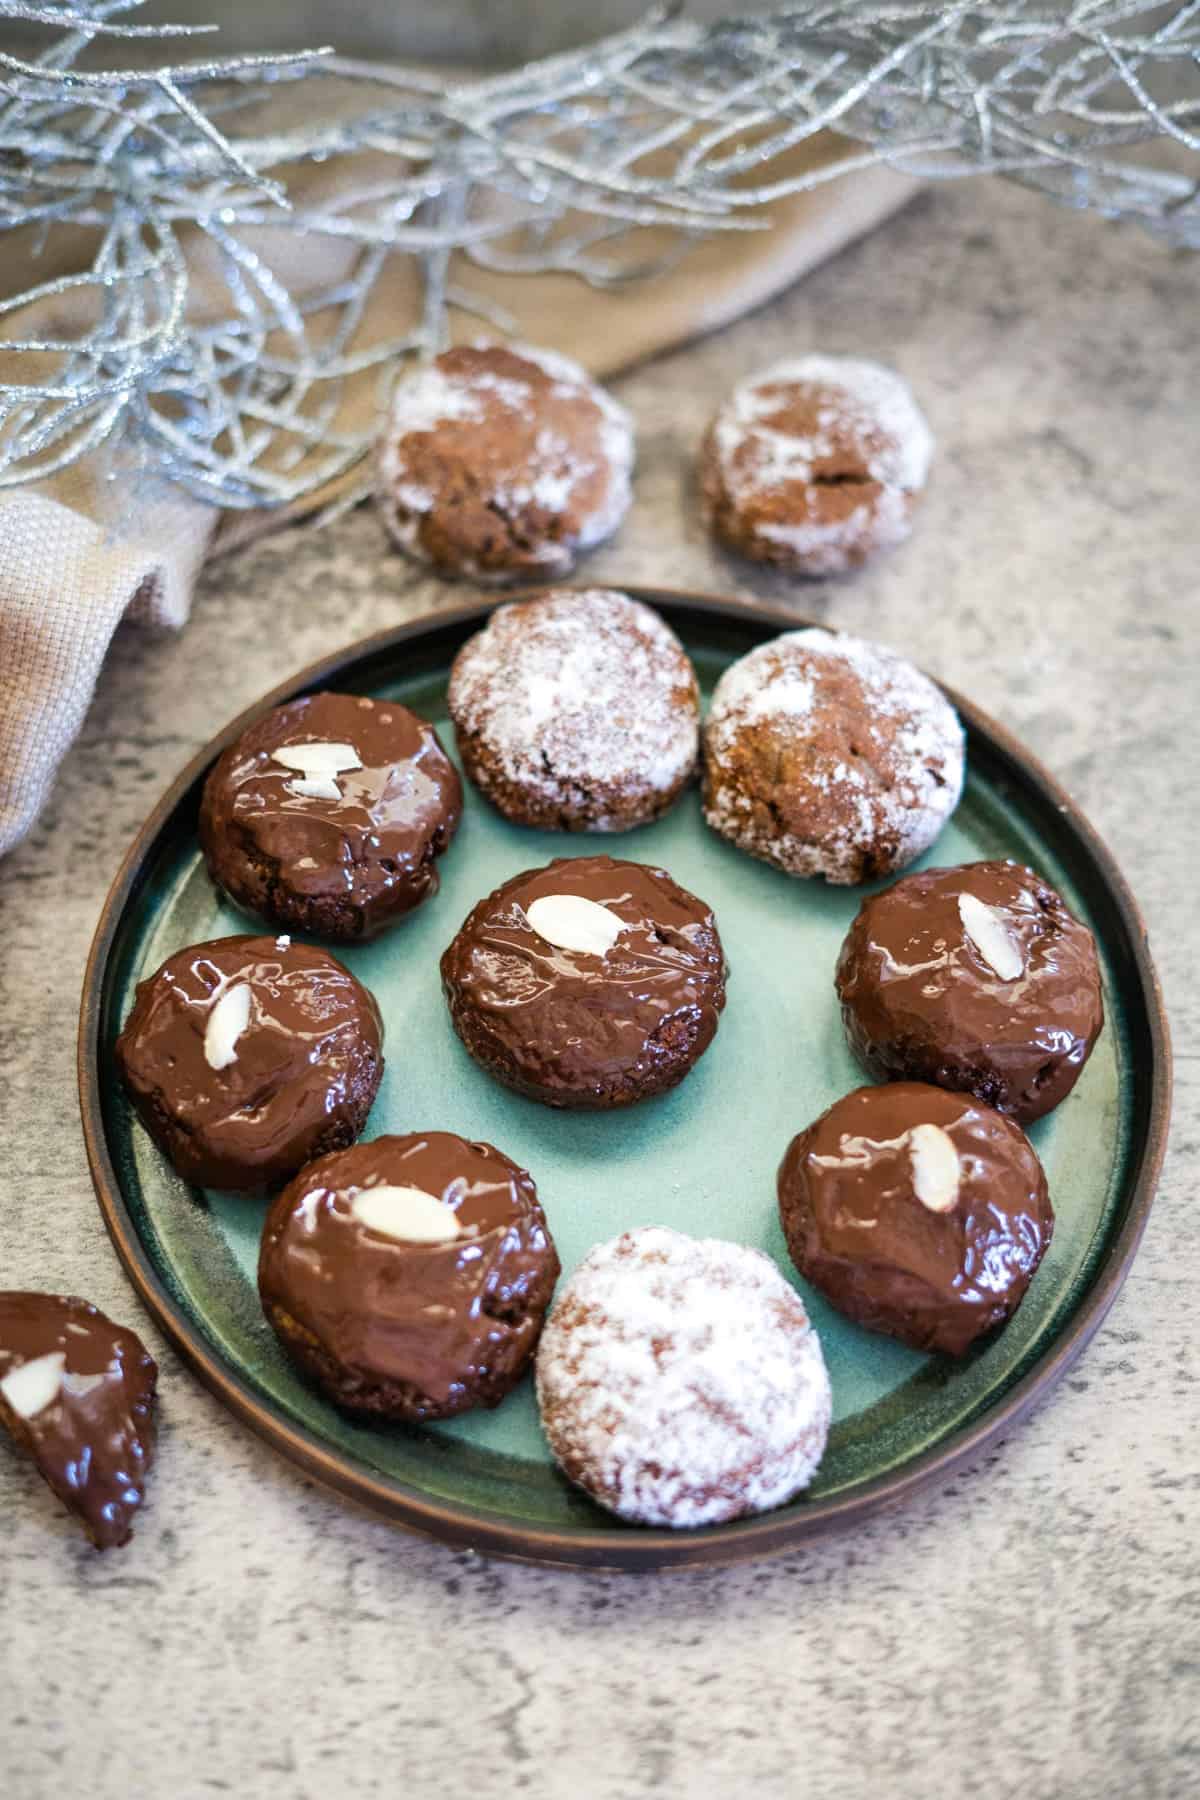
(85, 550)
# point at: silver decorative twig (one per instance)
(235, 387)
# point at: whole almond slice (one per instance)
(407, 1213)
(318, 759)
(570, 922)
(226, 1023)
(935, 1167)
(986, 929)
(33, 1386)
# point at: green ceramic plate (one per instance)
(702, 1159)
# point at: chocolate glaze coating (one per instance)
(400, 1330)
(94, 1442)
(920, 1003)
(341, 869)
(307, 1066)
(856, 1229)
(574, 1028)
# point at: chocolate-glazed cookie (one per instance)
(409, 1277)
(248, 1056)
(977, 978)
(327, 815)
(916, 1212)
(77, 1393)
(588, 983)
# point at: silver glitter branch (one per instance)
(185, 339)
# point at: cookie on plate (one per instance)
(978, 978)
(409, 1277)
(815, 464)
(680, 1381)
(577, 711)
(587, 983)
(827, 755)
(77, 1394)
(502, 463)
(916, 1212)
(248, 1056)
(328, 815)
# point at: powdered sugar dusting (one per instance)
(429, 396)
(549, 475)
(616, 442)
(862, 425)
(863, 395)
(579, 689)
(680, 1381)
(897, 790)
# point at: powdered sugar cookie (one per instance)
(502, 463)
(680, 1381)
(577, 712)
(827, 755)
(814, 465)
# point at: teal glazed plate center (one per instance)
(702, 1158)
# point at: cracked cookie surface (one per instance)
(502, 463)
(827, 755)
(577, 711)
(815, 465)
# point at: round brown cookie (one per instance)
(916, 1212)
(409, 1277)
(248, 1056)
(680, 1381)
(77, 1393)
(830, 756)
(577, 712)
(588, 983)
(977, 978)
(328, 814)
(502, 463)
(814, 465)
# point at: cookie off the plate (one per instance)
(815, 464)
(328, 815)
(978, 978)
(408, 1277)
(246, 1057)
(588, 983)
(502, 463)
(77, 1393)
(916, 1212)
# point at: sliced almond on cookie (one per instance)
(226, 1022)
(318, 759)
(570, 922)
(407, 1213)
(935, 1167)
(991, 937)
(33, 1386)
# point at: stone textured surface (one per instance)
(1032, 1628)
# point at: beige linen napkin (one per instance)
(76, 558)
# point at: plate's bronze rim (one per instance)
(617, 1547)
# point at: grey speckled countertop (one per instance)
(1033, 1628)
